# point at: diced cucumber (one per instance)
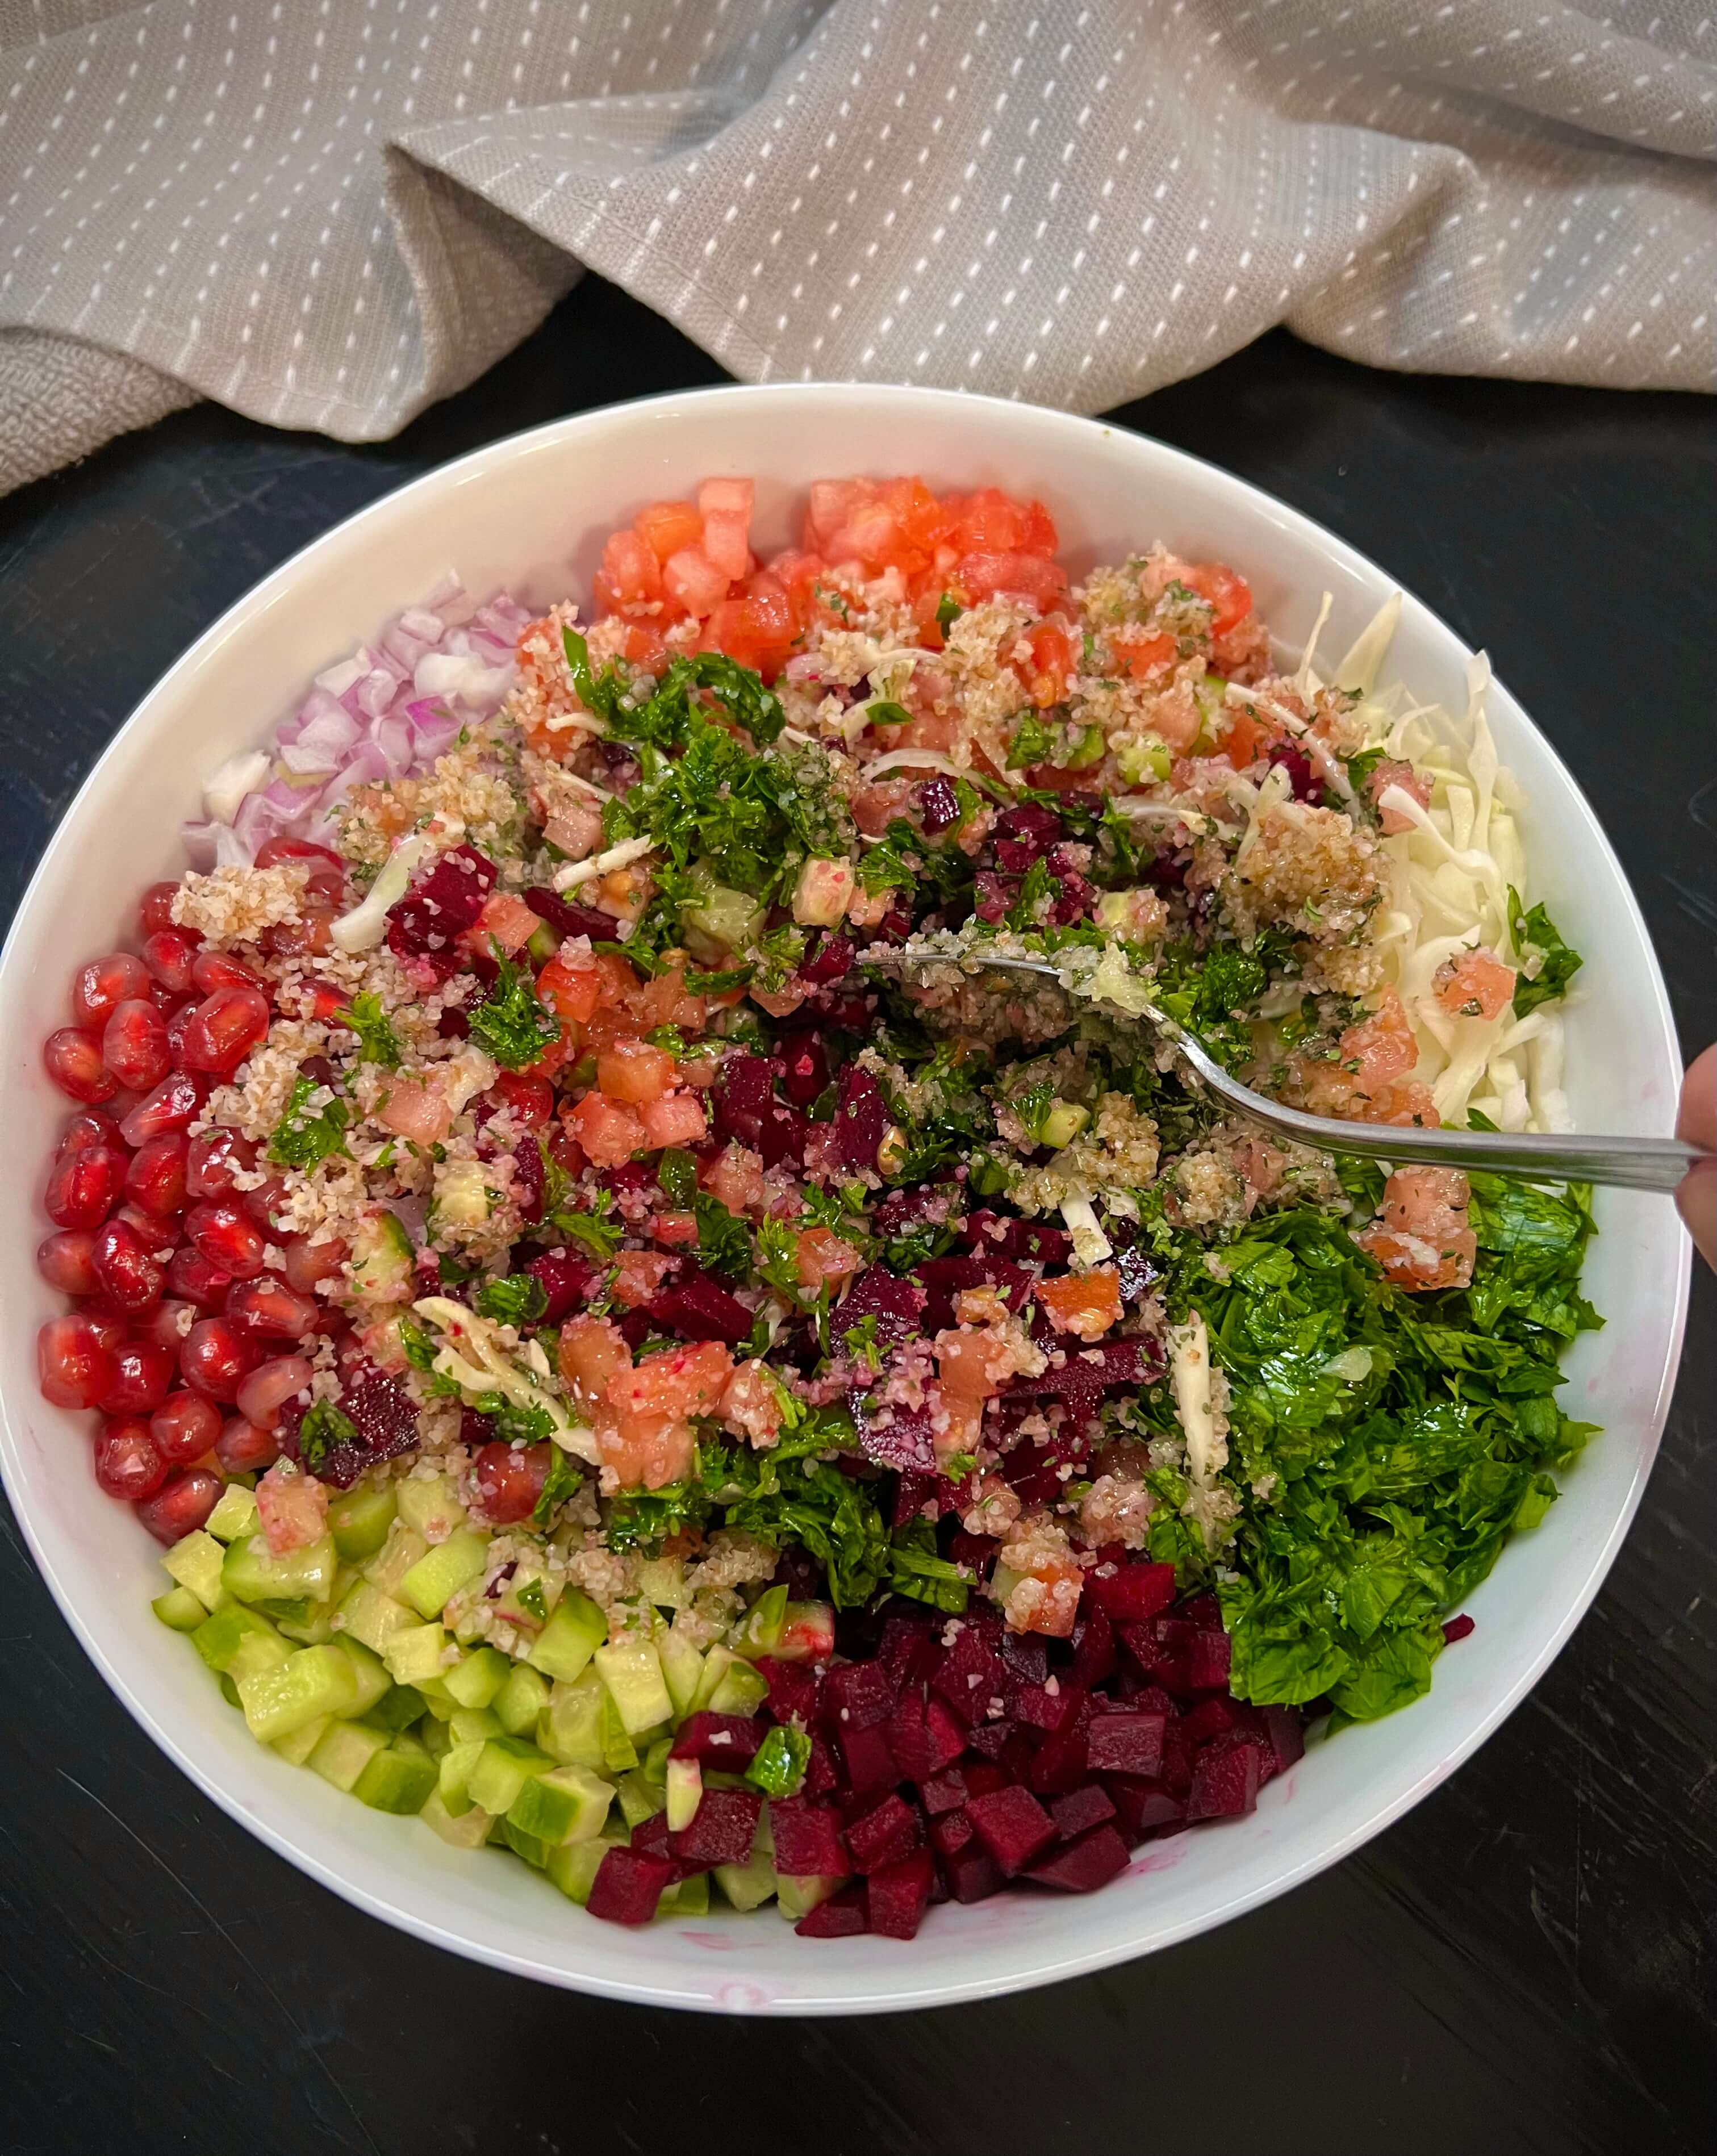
(661, 1580)
(532, 1847)
(234, 1513)
(399, 1708)
(368, 1615)
(359, 1519)
(382, 1259)
(461, 1197)
(575, 1630)
(315, 1680)
(344, 1750)
(798, 1894)
(235, 1642)
(520, 1701)
(195, 1561)
(471, 1724)
(413, 1655)
(729, 1685)
(478, 1677)
(251, 1571)
(435, 1737)
(454, 1779)
(397, 1780)
(505, 1764)
(759, 1632)
(717, 917)
(430, 1504)
(295, 1749)
(438, 1575)
(682, 1669)
(229, 1692)
(568, 1804)
(470, 1831)
(570, 1726)
(747, 1886)
(639, 1799)
(179, 1610)
(619, 1753)
(573, 1868)
(373, 1682)
(687, 1897)
(310, 1623)
(631, 1669)
(396, 1556)
(684, 1788)
(653, 1765)
(544, 1593)
(438, 1706)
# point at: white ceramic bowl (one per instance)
(531, 514)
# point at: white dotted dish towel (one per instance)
(327, 213)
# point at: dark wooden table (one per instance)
(1522, 1968)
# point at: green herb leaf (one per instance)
(1535, 937)
(724, 1239)
(322, 1430)
(518, 1300)
(1034, 742)
(376, 1042)
(565, 1478)
(302, 1139)
(949, 611)
(510, 1023)
(676, 1171)
(778, 1764)
(531, 1600)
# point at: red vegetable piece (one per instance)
(1126, 1744)
(793, 1687)
(869, 1763)
(1225, 1780)
(809, 1843)
(629, 1883)
(971, 1677)
(1012, 1826)
(1081, 1809)
(973, 1873)
(1135, 1593)
(882, 1834)
(855, 1695)
(728, 1741)
(1142, 1808)
(899, 1893)
(721, 1830)
(843, 1916)
(924, 1736)
(943, 1793)
(1085, 1865)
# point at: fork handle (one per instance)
(1623, 1164)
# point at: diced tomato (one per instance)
(751, 1404)
(735, 1176)
(418, 1111)
(633, 1071)
(1382, 1046)
(528, 1098)
(759, 629)
(1084, 1304)
(644, 1452)
(972, 1366)
(572, 990)
(725, 505)
(1422, 1238)
(1229, 593)
(1042, 584)
(609, 1131)
(822, 1255)
(507, 920)
(638, 1276)
(1477, 984)
(992, 522)
(665, 1000)
(1051, 662)
(666, 527)
(1142, 654)
(1244, 741)
(292, 1508)
(1392, 772)
(674, 1231)
(676, 1119)
(1046, 1600)
(592, 1352)
(875, 808)
(695, 581)
(678, 1381)
(630, 575)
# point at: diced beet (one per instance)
(989, 1740)
(651, 1835)
(784, 1134)
(698, 1307)
(1212, 1718)
(568, 1281)
(1177, 1759)
(1028, 832)
(899, 1893)
(1063, 1759)
(805, 1072)
(744, 1096)
(881, 1834)
(943, 1279)
(843, 1916)
(1208, 1659)
(727, 1741)
(1126, 1744)
(1039, 1708)
(1081, 1808)
(855, 1695)
(628, 1885)
(634, 1328)
(721, 1830)
(1016, 1757)
(1225, 1781)
(379, 1408)
(1109, 1363)
(938, 805)
(567, 919)
(943, 1793)
(903, 1437)
(952, 1832)
(973, 1873)
(1025, 1241)
(865, 1756)
(1012, 1826)
(831, 961)
(821, 1774)
(1135, 1593)
(924, 1736)
(861, 1119)
(896, 1305)
(1026, 1654)
(1307, 784)
(1457, 1627)
(1142, 1807)
(793, 1688)
(1093, 1650)
(530, 1181)
(992, 894)
(970, 1677)
(1202, 1610)
(808, 1839)
(1284, 1727)
(439, 906)
(1083, 1866)
(908, 1650)
(1161, 1649)
(982, 1776)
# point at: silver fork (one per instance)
(1625, 1162)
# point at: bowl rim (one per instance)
(900, 1995)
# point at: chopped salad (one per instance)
(646, 1348)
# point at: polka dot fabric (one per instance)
(329, 212)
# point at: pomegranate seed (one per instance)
(261, 1205)
(155, 1178)
(270, 1386)
(183, 1427)
(170, 1108)
(160, 1238)
(308, 1263)
(91, 1128)
(126, 1464)
(176, 1026)
(510, 1479)
(223, 1236)
(155, 911)
(213, 1160)
(216, 1357)
(74, 1367)
(131, 1275)
(97, 988)
(326, 868)
(211, 970)
(266, 1304)
(223, 1029)
(564, 1150)
(170, 954)
(84, 1187)
(167, 1323)
(191, 1278)
(63, 1261)
(242, 1448)
(310, 936)
(134, 1044)
(112, 1325)
(181, 1505)
(530, 1100)
(72, 1059)
(143, 1373)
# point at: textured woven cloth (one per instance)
(327, 213)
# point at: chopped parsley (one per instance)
(565, 1477)
(724, 1239)
(323, 1430)
(510, 1023)
(519, 1299)
(376, 1042)
(1535, 937)
(302, 1139)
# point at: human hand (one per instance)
(1697, 1122)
